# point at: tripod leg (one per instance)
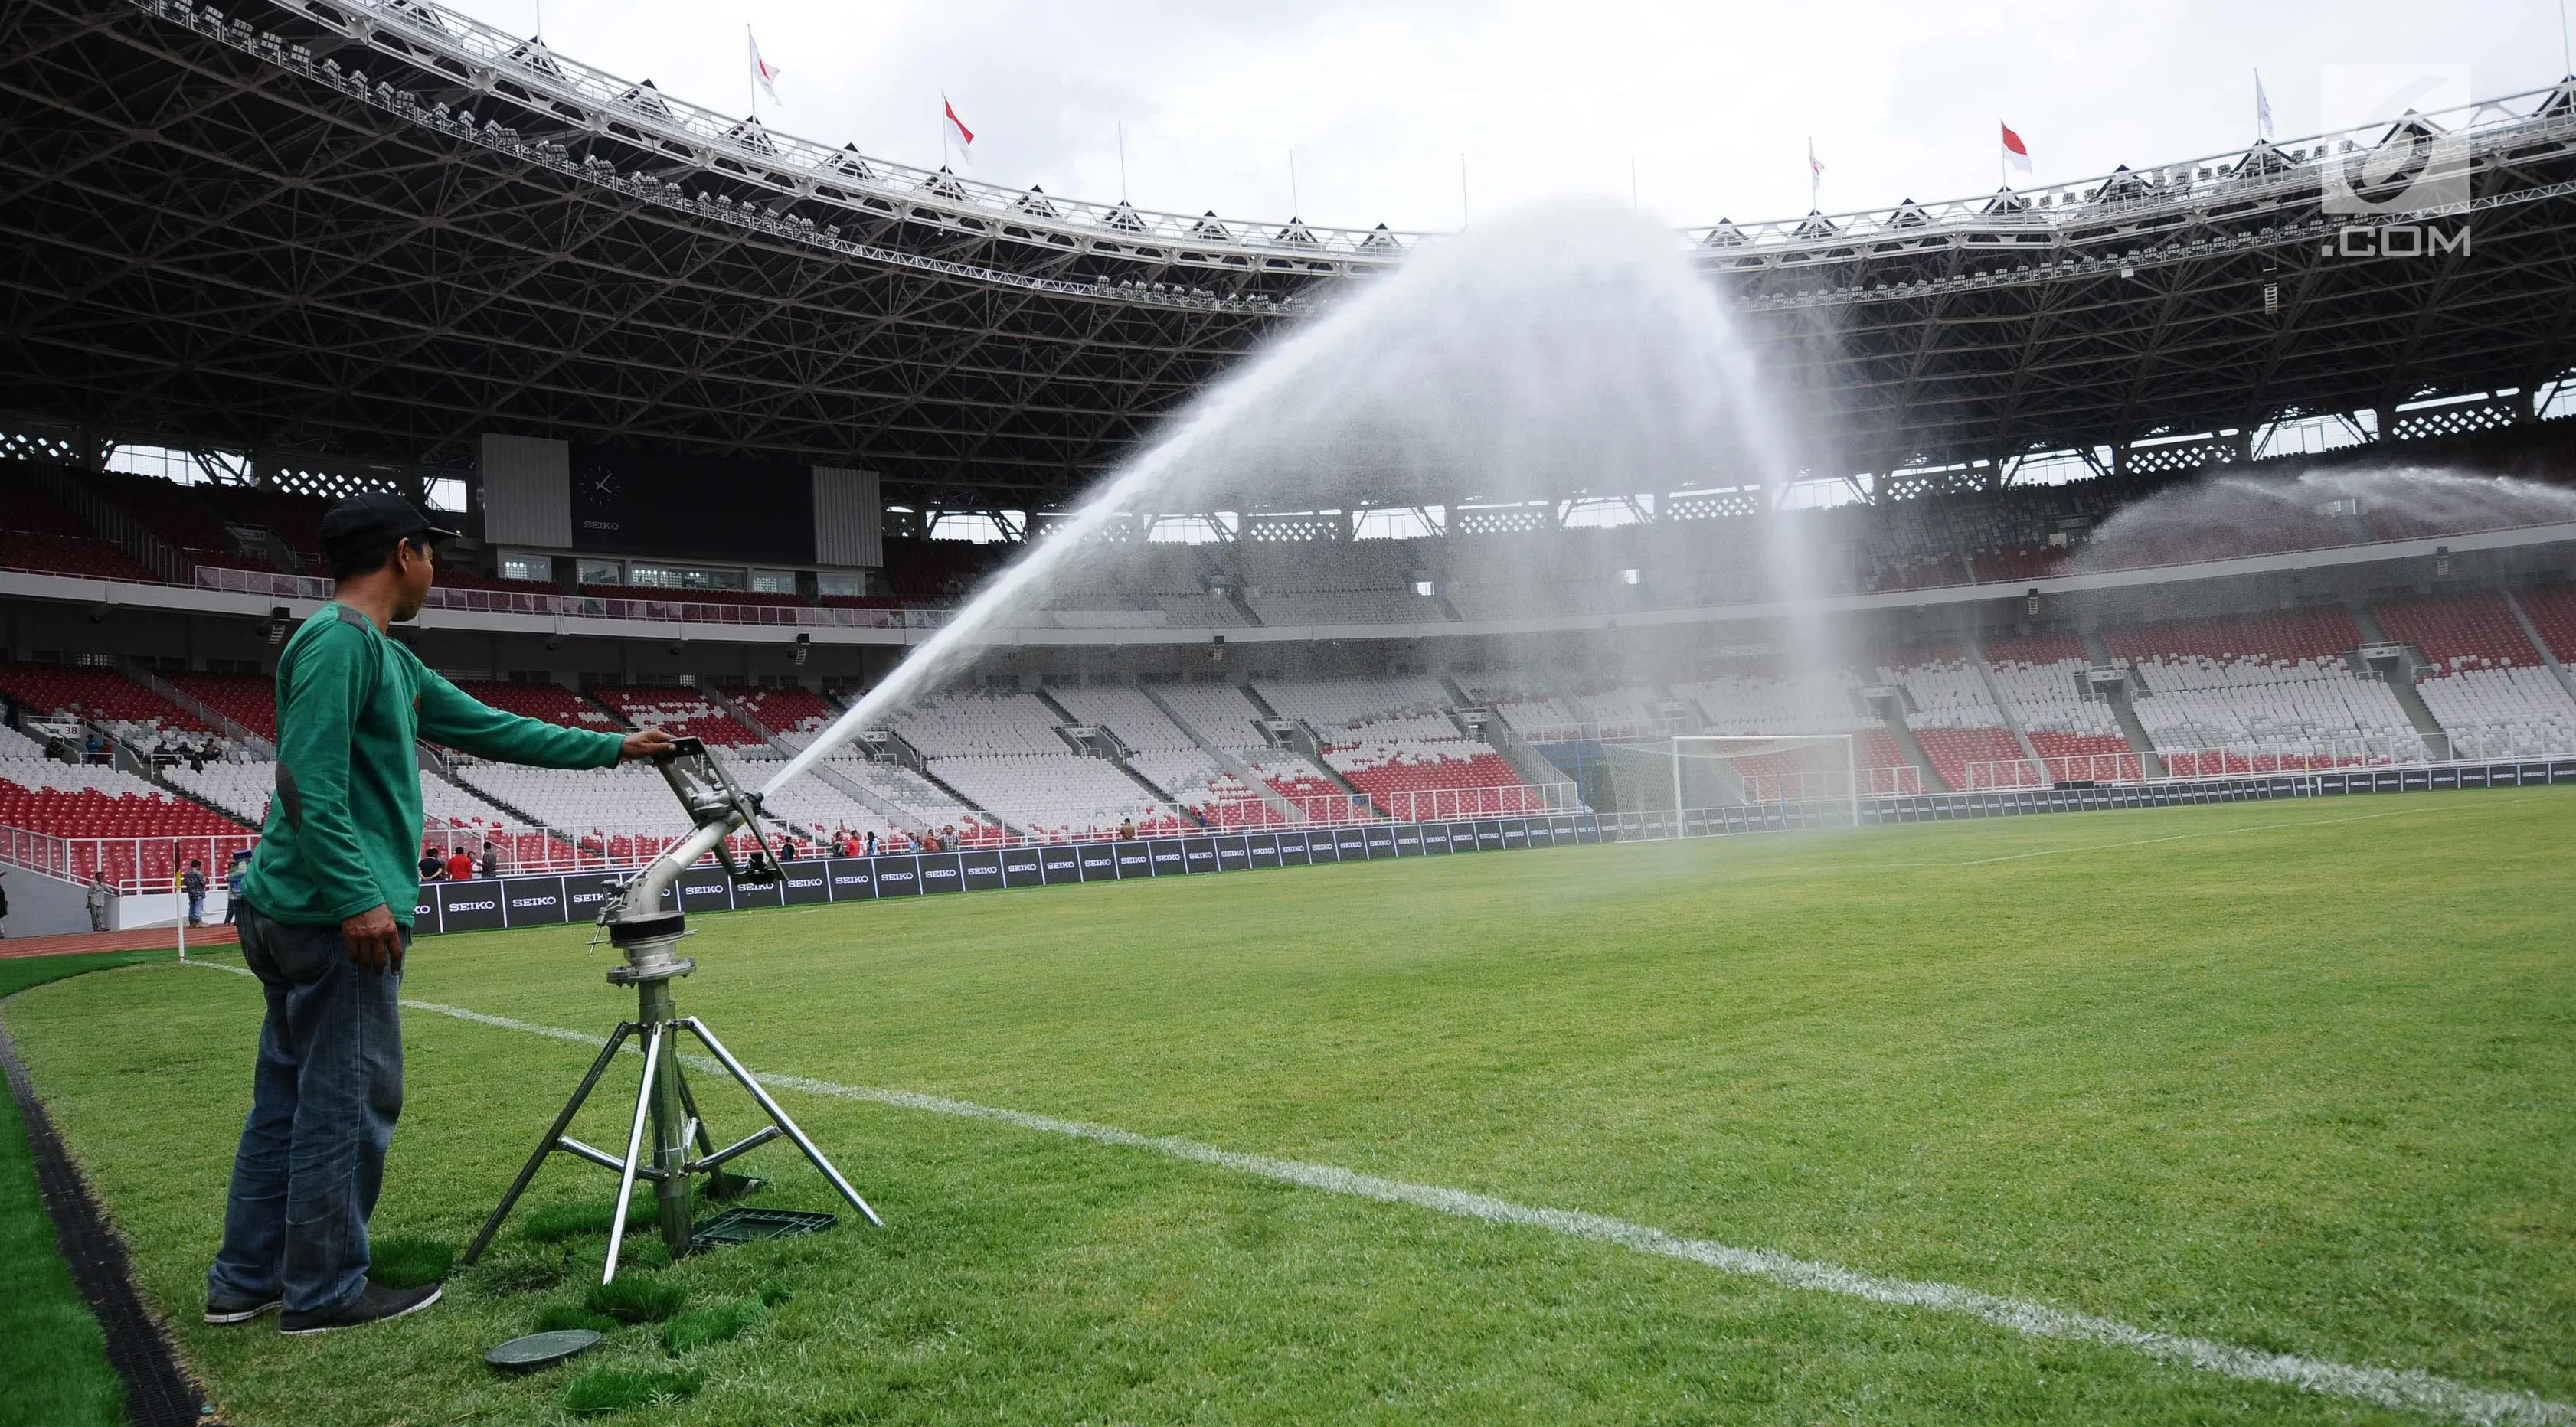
(761, 1095)
(689, 1102)
(546, 1146)
(653, 1035)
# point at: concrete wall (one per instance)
(43, 906)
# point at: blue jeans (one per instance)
(324, 1097)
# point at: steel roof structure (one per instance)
(378, 228)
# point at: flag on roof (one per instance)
(2016, 152)
(957, 129)
(2262, 109)
(762, 69)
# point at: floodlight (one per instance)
(647, 934)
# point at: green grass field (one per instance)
(2293, 1077)
(60, 1375)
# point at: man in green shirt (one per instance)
(326, 916)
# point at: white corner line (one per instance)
(2408, 1390)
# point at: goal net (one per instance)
(1696, 772)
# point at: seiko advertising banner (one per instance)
(899, 876)
(806, 883)
(469, 906)
(705, 889)
(1021, 866)
(940, 872)
(1099, 862)
(533, 901)
(424, 911)
(852, 879)
(1261, 849)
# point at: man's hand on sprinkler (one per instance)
(644, 743)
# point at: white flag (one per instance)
(762, 69)
(2262, 109)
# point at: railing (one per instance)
(2232, 761)
(676, 606)
(1830, 784)
(1602, 731)
(1419, 805)
(130, 864)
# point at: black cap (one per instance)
(376, 518)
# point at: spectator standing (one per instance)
(460, 865)
(232, 887)
(100, 899)
(193, 882)
(1126, 829)
(433, 868)
(872, 843)
(491, 858)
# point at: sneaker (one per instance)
(224, 1312)
(376, 1304)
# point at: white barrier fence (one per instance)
(130, 864)
(2237, 761)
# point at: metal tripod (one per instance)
(681, 1147)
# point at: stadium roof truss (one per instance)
(370, 230)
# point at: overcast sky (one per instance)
(1713, 104)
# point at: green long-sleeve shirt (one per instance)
(343, 833)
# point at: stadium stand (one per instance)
(2278, 681)
(1003, 752)
(111, 822)
(38, 533)
(794, 715)
(2553, 613)
(133, 713)
(682, 710)
(178, 514)
(2077, 737)
(2485, 682)
(550, 702)
(1392, 739)
(247, 699)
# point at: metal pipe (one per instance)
(643, 895)
(653, 1036)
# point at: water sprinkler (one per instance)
(647, 936)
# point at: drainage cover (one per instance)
(744, 1224)
(541, 1350)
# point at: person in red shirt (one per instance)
(460, 866)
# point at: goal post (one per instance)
(1699, 772)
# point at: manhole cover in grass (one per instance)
(541, 1350)
(746, 1225)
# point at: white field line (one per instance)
(2414, 1391)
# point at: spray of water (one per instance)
(2249, 515)
(1566, 349)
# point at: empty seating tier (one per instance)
(683, 711)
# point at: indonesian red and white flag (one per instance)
(2016, 152)
(957, 129)
(762, 69)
